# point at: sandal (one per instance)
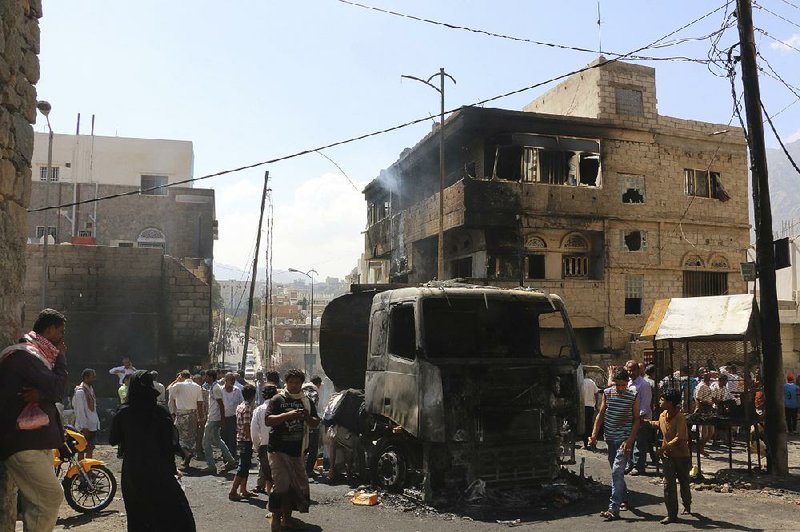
(608, 515)
(624, 507)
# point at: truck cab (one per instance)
(462, 383)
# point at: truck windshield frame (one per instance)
(495, 328)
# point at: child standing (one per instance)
(675, 454)
(244, 443)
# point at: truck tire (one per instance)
(389, 467)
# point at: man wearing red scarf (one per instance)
(34, 371)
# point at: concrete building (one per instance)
(588, 193)
(179, 220)
(235, 294)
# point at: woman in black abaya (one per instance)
(148, 443)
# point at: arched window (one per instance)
(719, 262)
(151, 238)
(535, 242)
(575, 259)
(694, 261)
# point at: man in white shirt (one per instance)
(162, 391)
(231, 397)
(259, 432)
(125, 369)
(186, 398)
(589, 390)
(704, 403)
(211, 434)
(84, 403)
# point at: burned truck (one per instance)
(461, 383)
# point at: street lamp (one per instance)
(440, 90)
(311, 330)
(44, 107)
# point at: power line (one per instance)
(378, 132)
(787, 2)
(775, 132)
(774, 14)
(334, 163)
(768, 36)
(523, 39)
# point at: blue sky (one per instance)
(248, 81)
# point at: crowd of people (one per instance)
(624, 413)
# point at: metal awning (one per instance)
(714, 318)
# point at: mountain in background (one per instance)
(225, 272)
(784, 189)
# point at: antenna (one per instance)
(599, 28)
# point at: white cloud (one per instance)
(319, 227)
(794, 136)
(787, 44)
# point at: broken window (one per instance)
(402, 332)
(634, 240)
(507, 163)
(704, 184)
(634, 293)
(535, 266)
(461, 268)
(377, 211)
(542, 159)
(632, 188)
(503, 267)
(698, 284)
(629, 102)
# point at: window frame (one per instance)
(157, 192)
(634, 290)
(394, 311)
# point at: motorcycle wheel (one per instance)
(93, 495)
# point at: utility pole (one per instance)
(440, 90)
(775, 420)
(255, 272)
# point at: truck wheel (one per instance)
(390, 467)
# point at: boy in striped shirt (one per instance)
(619, 415)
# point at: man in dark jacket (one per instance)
(34, 371)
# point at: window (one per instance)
(461, 268)
(574, 266)
(150, 181)
(151, 238)
(535, 266)
(634, 240)
(54, 173)
(534, 158)
(503, 267)
(634, 292)
(704, 184)
(629, 102)
(40, 231)
(694, 261)
(402, 332)
(698, 284)
(632, 188)
(377, 211)
(84, 232)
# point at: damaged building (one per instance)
(587, 193)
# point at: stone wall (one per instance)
(133, 302)
(19, 72)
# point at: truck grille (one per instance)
(515, 463)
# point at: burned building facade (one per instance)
(587, 193)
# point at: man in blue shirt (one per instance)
(790, 403)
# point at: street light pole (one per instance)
(440, 90)
(311, 328)
(44, 107)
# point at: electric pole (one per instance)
(775, 420)
(254, 274)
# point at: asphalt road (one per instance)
(743, 510)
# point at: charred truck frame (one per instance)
(461, 382)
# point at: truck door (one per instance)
(400, 398)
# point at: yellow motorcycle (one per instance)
(89, 486)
